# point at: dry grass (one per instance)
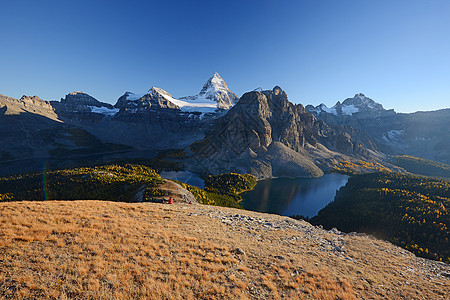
(108, 250)
(101, 250)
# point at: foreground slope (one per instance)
(98, 249)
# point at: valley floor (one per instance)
(103, 250)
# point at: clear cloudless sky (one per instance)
(318, 51)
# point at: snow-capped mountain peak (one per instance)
(215, 89)
(363, 103)
(214, 96)
(214, 83)
(358, 104)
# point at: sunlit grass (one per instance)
(99, 250)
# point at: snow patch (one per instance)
(392, 135)
(349, 110)
(134, 97)
(104, 110)
(328, 110)
(217, 81)
(199, 105)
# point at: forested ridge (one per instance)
(410, 211)
(223, 190)
(109, 182)
(422, 166)
(117, 182)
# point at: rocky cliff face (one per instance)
(26, 104)
(79, 106)
(266, 135)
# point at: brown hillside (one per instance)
(109, 250)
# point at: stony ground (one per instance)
(94, 249)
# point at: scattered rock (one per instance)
(238, 251)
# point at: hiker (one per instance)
(170, 200)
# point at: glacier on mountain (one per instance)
(214, 96)
(104, 110)
(358, 104)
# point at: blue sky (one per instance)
(395, 52)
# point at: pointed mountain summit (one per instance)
(216, 89)
(358, 104)
(156, 98)
(362, 102)
(212, 99)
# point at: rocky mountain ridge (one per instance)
(262, 133)
(26, 104)
(266, 135)
(421, 134)
(214, 98)
(358, 104)
(34, 130)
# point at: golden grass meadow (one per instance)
(110, 250)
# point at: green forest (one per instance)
(223, 190)
(410, 211)
(110, 182)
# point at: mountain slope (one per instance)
(93, 249)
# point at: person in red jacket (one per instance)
(170, 200)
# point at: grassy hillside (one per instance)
(106, 250)
(116, 250)
(410, 211)
(422, 166)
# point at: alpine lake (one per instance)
(282, 196)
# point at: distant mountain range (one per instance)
(421, 134)
(262, 133)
